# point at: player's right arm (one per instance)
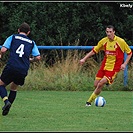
(6, 45)
(86, 57)
(95, 50)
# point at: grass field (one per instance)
(65, 111)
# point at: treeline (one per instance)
(64, 23)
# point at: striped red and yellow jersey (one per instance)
(114, 52)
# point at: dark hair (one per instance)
(24, 27)
(111, 26)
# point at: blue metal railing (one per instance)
(66, 47)
(85, 48)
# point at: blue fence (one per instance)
(85, 48)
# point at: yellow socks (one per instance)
(92, 97)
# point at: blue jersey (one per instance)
(20, 47)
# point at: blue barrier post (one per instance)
(126, 69)
(125, 72)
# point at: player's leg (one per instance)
(108, 78)
(3, 94)
(98, 88)
(5, 79)
(13, 92)
(93, 95)
(19, 79)
(99, 76)
(100, 85)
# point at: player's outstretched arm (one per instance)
(86, 57)
(34, 59)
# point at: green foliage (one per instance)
(61, 23)
(64, 23)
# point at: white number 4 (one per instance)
(20, 50)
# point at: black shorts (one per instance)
(9, 75)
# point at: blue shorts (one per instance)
(10, 75)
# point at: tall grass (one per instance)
(67, 74)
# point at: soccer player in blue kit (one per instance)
(21, 48)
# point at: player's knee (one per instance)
(95, 85)
(100, 84)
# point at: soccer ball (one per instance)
(100, 101)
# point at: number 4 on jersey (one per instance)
(20, 50)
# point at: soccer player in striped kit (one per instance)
(114, 48)
(16, 69)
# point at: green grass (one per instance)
(66, 111)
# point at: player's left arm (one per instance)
(123, 66)
(129, 55)
(35, 53)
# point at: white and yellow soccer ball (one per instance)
(100, 101)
